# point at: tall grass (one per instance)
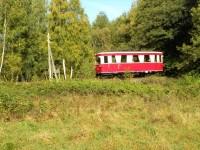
(142, 113)
(18, 98)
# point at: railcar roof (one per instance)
(129, 52)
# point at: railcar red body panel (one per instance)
(124, 68)
(147, 62)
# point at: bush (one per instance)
(18, 99)
(13, 105)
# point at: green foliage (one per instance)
(121, 33)
(101, 21)
(12, 105)
(191, 51)
(101, 33)
(25, 37)
(70, 34)
(12, 65)
(150, 85)
(159, 25)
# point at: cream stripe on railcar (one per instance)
(152, 58)
(158, 58)
(102, 59)
(118, 58)
(109, 59)
(129, 58)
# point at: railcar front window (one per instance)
(98, 60)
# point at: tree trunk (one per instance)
(4, 45)
(49, 57)
(64, 69)
(71, 74)
(52, 67)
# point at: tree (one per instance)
(191, 57)
(16, 32)
(101, 33)
(101, 21)
(121, 33)
(4, 42)
(161, 25)
(26, 27)
(34, 56)
(70, 34)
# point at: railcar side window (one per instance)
(123, 59)
(146, 58)
(135, 58)
(98, 60)
(141, 58)
(114, 59)
(105, 59)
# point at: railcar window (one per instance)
(141, 58)
(98, 60)
(123, 59)
(146, 58)
(105, 59)
(114, 59)
(135, 58)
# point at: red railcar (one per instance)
(131, 62)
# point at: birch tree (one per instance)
(4, 44)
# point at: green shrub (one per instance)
(13, 105)
(18, 98)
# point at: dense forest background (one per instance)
(171, 26)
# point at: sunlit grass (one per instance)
(60, 117)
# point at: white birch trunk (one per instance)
(49, 57)
(71, 74)
(4, 45)
(52, 68)
(64, 69)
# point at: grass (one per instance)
(145, 113)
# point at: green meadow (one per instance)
(140, 113)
